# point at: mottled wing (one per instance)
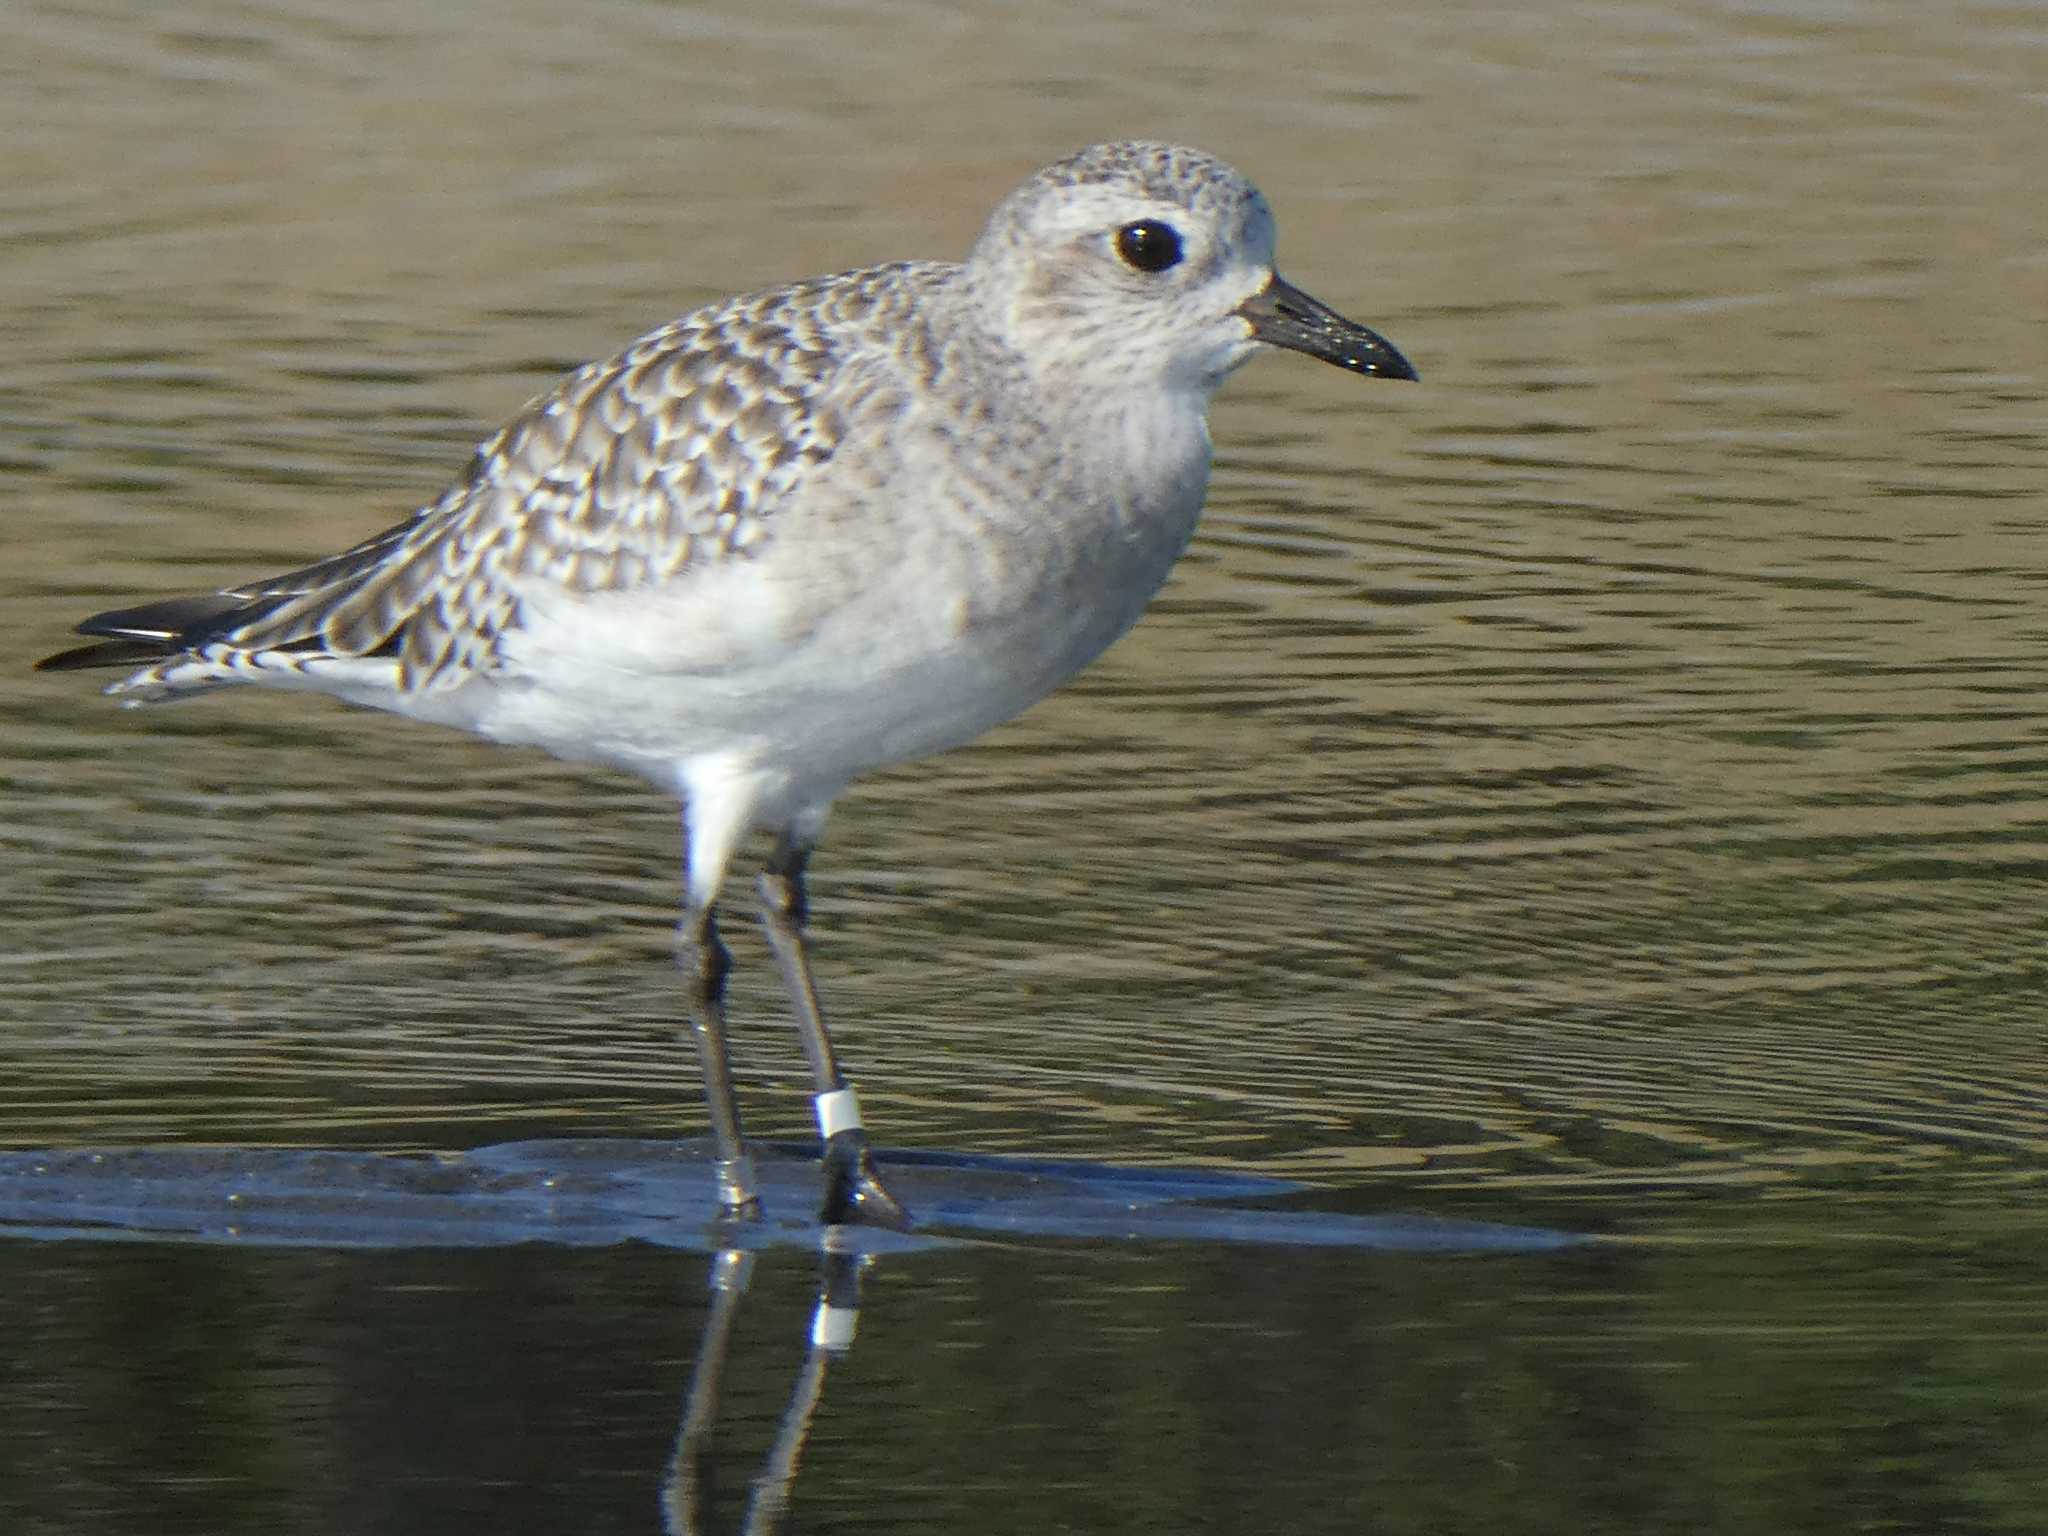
(679, 451)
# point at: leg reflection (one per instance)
(690, 1490)
(689, 1468)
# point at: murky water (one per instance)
(1599, 788)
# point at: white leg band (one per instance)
(838, 1111)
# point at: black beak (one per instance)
(1281, 315)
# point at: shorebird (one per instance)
(801, 534)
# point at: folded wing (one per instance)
(679, 451)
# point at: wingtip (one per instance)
(149, 632)
(104, 653)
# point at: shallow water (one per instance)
(1597, 789)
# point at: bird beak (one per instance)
(1281, 315)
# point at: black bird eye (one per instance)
(1148, 245)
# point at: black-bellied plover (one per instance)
(802, 534)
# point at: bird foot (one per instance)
(854, 1191)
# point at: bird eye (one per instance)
(1148, 245)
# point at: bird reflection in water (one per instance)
(690, 1486)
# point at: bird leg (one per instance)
(704, 962)
(853, 1185)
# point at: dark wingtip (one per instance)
(149, 632)
(170, 619)
(107, 653)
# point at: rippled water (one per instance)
(1600, 787)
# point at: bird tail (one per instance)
(166, 639)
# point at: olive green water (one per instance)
(1604, 786)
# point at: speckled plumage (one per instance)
(673, 454)
(804, 533)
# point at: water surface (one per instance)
(1596, 789)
